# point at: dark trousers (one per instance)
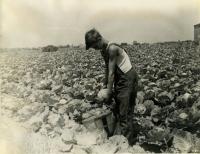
(125, 96)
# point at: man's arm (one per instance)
(111, 68)
(106, 74)
(106, 70)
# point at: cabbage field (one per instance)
(59, 90)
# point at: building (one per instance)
(124, 44)
(197, 33)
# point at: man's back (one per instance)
(122, 59)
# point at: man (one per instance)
(120, 74)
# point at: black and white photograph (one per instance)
(99, 76)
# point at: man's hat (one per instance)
(91, 37)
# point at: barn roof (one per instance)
(197, 26)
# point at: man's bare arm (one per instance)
(106, 70)
(106, 74)
(111, 67)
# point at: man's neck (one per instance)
(105, 44)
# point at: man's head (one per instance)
(93, 39)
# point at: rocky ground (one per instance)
(47, 95)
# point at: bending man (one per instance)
(121, 75)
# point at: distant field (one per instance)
(169, 85)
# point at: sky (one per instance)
(33, 23)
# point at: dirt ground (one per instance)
(16, 139)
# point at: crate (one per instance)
(103, 121)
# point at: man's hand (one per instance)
(104, 95)
(108, 96)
